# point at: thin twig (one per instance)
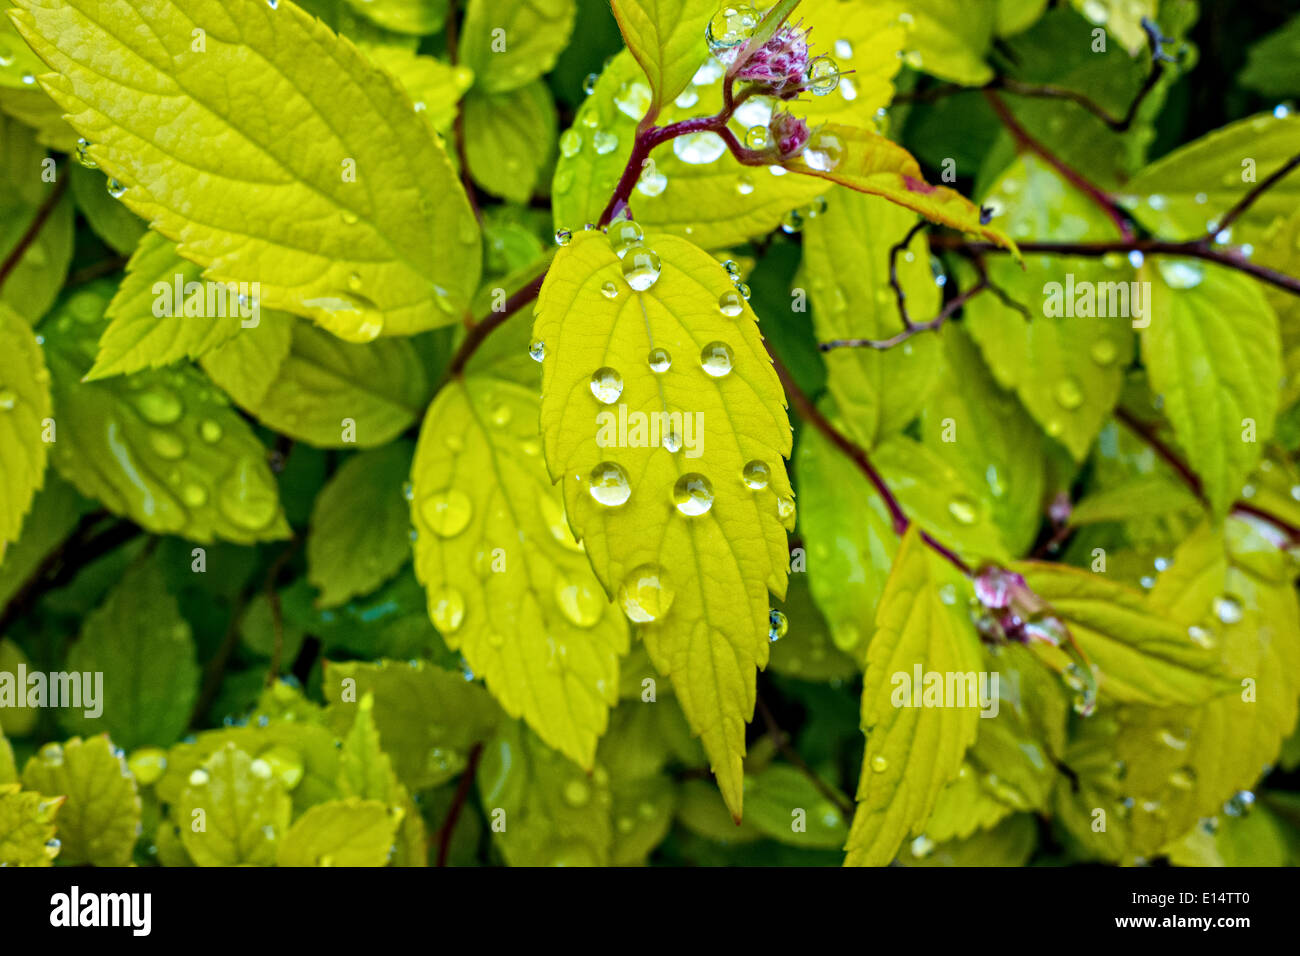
(463, 787)
(1248, 200)
(480, 330)
(35, 226)
(782, 741)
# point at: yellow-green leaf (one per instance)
(110, 220)
(24, 407)
(1139, 653)
(867, 162)
(667, 39)
(358, 534)
(508, 585)
(365, 234)
(1121, 18)
(697, 578)
(160, 446)
(326, 392)
(847, 263)
(348, 832)
(435, 88)
(950, 38)
(99, 817)
(419, 17)
(509, 42)
(1213, 352)
(912, 751)
(27, 827)
(244, 810)
(510, 139)
(138, 337)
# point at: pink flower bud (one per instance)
(789, 134)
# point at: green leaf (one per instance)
(1273, 63)
(428, 718)
(246, 366)
(419, 17)
(507, 43)
(949, 39)
(348, 832)
(510, 139)
(99, 817)
(808, 650)
(140, 644)
(366, 772)
(508, 585)
(30, 289)
(137, 337)
(434, 87)
(1140, 655)
(1147, 495)
(8, 768)
(157, 446)
(358, 534)
(16, 721)
(667, 39)
(544, 810)
(993, 444)
(1237, 589)
(24, 409)
(366, 235)
(1122, 19)
(911, 751)
(55, 512)
(27, 825)
(1212, 351)
(19, 60)
(1010, 843)
(866, 162)
(846, 260)
(245, 810)
(110, 220)
(1180, 195)
(325, 392)
(698, 579)
(786, 806)
(1066, 369)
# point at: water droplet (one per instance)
(447, 512)
(447, 610)
(652, 182)
(922, 847)
(792, 222)
(1103, 351)
(716, 359)
(641, 268)
(693, 494)
(579, 602)
(730, 27)
(589, 84)
(879, 764)
(755, 475)
(823, 75)
(563, 236)
(158, 406)
(1068, 393)
(745, 185)
(606, 385)
(731, 303)
(570, 143)
(1201, 637)
(609, 485)
(210, 431)
(699, 149)
(777, 625)
(671, 441)
(248, 496)
(659, 360)
(687, 97)
(537, 350)
(646, 594)
(785, 507)
(963, 510)
(1239, 804)
(1228, 609)
(7, 400)
(758, 137)
(624, 236)
(1181, 273)
(115, 189)
(577, 793)
(633, 99)
(198, 777)
(83, 154)
(604, 142)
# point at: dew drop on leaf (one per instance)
(716, 359)
(641, 268)
(606, 385)
(447, 512)
(755, 475)
(646, 594)
(693, 494)
(609, 484)
(447, 610)
(659, 360)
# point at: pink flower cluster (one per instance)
(1013, 611)
(780, 65)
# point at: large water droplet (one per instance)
(624, 236)
(447, 512)
(447, 610)
(570, 143)
(659, 360)
(755, 475)
(777, 625)
(824, 151)
(606, 385)
(248, 497)
(699, 149)
(823, 75)
(1228, 609)
(158, 405)
(641, 268)
(537, 350)
(646, 594)
(730, 27)
(693, 494)
(609, 484)
(604, 142)
(731, 304)
(633, 99)
(716, 359)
